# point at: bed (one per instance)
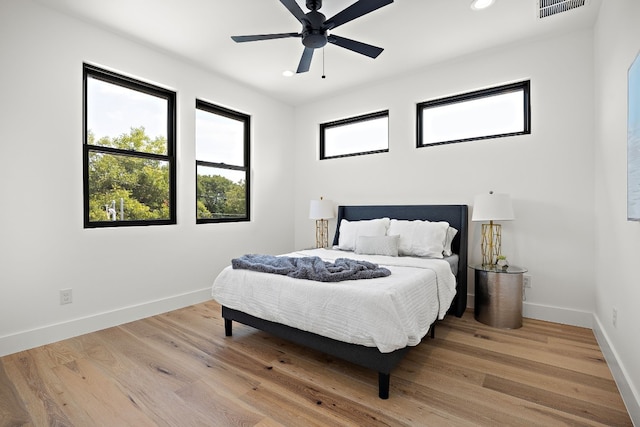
(322, 325)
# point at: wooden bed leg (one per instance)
(227, 328)
(383, 385)
(433, 330)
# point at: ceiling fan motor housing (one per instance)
(313, 36)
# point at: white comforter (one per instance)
(388, 313)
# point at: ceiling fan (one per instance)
(315, 29)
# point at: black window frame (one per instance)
(348, 121)
(92, 71)
(524, 86)
(246, 119)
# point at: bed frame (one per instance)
(371, 357)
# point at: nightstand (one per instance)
(498, 300)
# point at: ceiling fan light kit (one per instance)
(315, 29)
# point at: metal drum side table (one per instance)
(498, 300)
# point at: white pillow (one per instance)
(350, 230)
(420, 238)
(377, 245)
(404, 229)
(451, 233)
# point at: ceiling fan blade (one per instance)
(241, 39)
(356, 10)
(295, 10)
(358, 47)
(305, 61)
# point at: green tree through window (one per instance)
(128, 187)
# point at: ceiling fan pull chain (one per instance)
(323, 76)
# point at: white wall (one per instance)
(121, 274)
(617, 41)
(549, 174)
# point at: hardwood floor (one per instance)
(178, 369)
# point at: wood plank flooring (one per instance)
(178, 369)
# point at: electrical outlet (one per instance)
(614, 317)
(526, 281)
(65, 296)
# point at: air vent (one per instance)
(553, 7)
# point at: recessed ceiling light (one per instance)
(481, 4)
(288, 73)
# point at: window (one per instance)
(222, 164)
(489, 113)
(129, 151)
(354, 136)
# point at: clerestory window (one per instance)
(366, 134)
(488, 113)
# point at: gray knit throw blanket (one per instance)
(311, 268)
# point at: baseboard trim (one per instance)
(563, 315)
(25, 340)
(629, 394)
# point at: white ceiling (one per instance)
(414, 34)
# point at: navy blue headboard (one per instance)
(455, 215)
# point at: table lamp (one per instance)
(321, 210)
(492, 207)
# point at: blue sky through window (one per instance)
(113, 110)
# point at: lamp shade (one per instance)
(492, 207)
(321, 209)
